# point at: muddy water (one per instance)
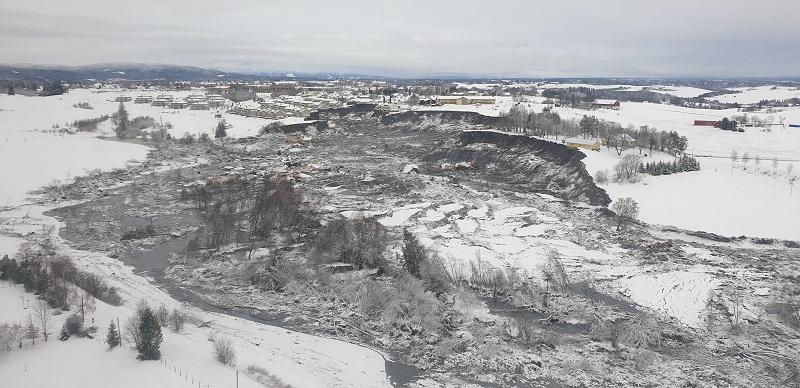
(533, 317)
(543, 320)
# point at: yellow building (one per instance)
(588, 144)
(464, 100)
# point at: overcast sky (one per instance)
(718, 38)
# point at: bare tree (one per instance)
(6, 336)
(620, 142)
(775, 166)
(627, 169)
(84, 302)
(627, 210)
(734, 159)
(31, 331)
(43, 314)
(745, 159)
(757, 161)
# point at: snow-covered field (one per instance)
(716, 199)
(755, 94)
(29, 159)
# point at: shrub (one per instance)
(412, 308)
(642, 359)
(88, 125)
(141, 122)
(224, 351)
(265, 378)
(139, 233)
(277, 205)
(187, 139)
(361, 242)
(642, 332)
(163, 315)
(434, 274)
(601, 177)
(271, 127)
(178, 320)
(73, 325)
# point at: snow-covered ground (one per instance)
(30, 159)
(679, 91)
(679, 294)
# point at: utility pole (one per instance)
(237, 378)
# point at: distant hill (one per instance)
(150, 72)
(105, 72)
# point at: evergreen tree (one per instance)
(414, 253)
(113, 337)
(149, 341)
(53, 89)
(725, 124)
(11, 91)
(220, 133)
(122, 120)
(5, 267)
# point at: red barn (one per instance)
(607, 104)
(707, 123)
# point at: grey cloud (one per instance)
(412, 37)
